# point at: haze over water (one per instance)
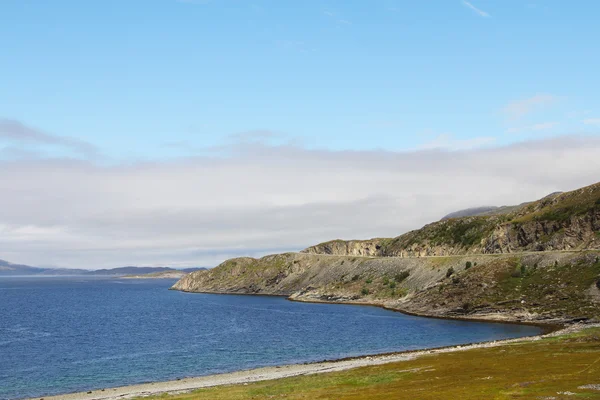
(61, 335)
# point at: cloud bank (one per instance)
(257, 198)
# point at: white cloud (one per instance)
(449, 142)
(535, 127)
(261, 198)
(544, 126)
(592, 121)
(520, 108)
(477, 10)
(15, 131)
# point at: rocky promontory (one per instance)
(538, 263)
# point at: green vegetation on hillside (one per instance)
(566, 367)
(513, 286)
(538, 226)
(462, 232)
(567, 205)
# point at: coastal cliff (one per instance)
(539, 262)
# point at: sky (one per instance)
(184, 132)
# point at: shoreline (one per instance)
(548, 326)
(186, 385)
(189, 384)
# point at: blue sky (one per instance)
(163, 78)
(166, 132)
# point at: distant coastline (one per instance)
(158, 275)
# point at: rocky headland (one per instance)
(538, 262)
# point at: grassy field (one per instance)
(551, 368)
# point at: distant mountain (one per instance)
(193, 269)
(9, 269)
(64, 271)
(139, 270)
(470, 212)
(129, 271)
(178, 274)
(487, 211)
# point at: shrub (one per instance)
(342, 263)
(468, 265)
(523, 269)
(364, 291)
(449, 272)
(464, 232)
(598, 283)
(466, 306)
(598, 202)
(392, 285)
(475, 264)
(402, 276)
(369, 281)
(455, 280)
(355, 278)
(386, 281)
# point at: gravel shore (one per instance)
(269, 373)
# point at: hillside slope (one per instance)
(561, 221)
(471, 212)
(548, 286)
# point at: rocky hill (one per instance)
(561, 221)
(539, 262)
(538, 286)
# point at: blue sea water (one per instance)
(60, 335)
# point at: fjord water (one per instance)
(61, 335)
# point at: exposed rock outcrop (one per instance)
(371, 247)
(561, 221)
